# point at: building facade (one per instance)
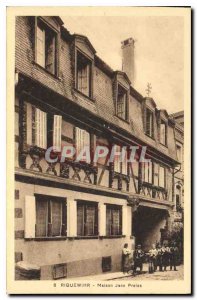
(179, 172)
(72, 218)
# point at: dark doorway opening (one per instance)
(146, 225)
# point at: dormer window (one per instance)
(84, 73)
(122, 103)
(46, 47)
(163, 133)
(149, 123)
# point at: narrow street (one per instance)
(168, 275)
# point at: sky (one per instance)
(159, 51)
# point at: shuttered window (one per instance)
(40, 128)
(87, 218)
(51, 216)
(117, 163)
(163, 133)
(46, 47)
(83, 74)
(124, 166)
(161, 176)
(149, 122)
(113, 220)
(82, 139)
(40, 51)
(147, 172)
(57, 132)
(122, 103)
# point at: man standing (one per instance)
(138, 256)
(153, 259)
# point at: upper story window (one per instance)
(121, 108)
(120, 166)
(163, 133)
(46, 47)
(84, 74)
(179, 152)
(43, 130)
(147, 172)
(162, 179)
(149, 123)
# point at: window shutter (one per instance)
(80, 220)
(56, 218)
(40, 49)
(117, 160)
(57, 132)
(50, 55)
(30, 216)
(146, 167)
(150, 172)
(40, 128)
(124, 164)
(161, 177)
(156, 174)
(90, 220)
(29, 123)
(41, 218)
(82, 139)
(108, 221)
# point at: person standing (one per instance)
(138, 256)
(153, 259)
(165, 257)
(126, 253)
(173, 256)
(159, 257)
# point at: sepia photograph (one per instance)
(100, 103)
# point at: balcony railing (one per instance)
(152, 191)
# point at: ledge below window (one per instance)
(71, 238)
(112, 237)
(45, 70)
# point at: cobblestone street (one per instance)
(168, 275)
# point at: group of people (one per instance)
(159, 257)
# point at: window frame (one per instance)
(161, 166)
(166, 133)
(149, 110)
(85, 205)
(90, 61)
(41, 23)
(49, 215)
(113, 207)
(120, 86)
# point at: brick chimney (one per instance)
(128, 58)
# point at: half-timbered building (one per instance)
(72, 218)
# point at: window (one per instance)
(39, 127)
(43, 130)
(179, 152)
(82, 139)
(84, 73)
(113, 220)
(51, 216)
(120, 167)
(147, 172)
(57, 132)
(46, 47)
(161, 176)
(149, 123)
(163, 133)
(122, 103)
(87, 218)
